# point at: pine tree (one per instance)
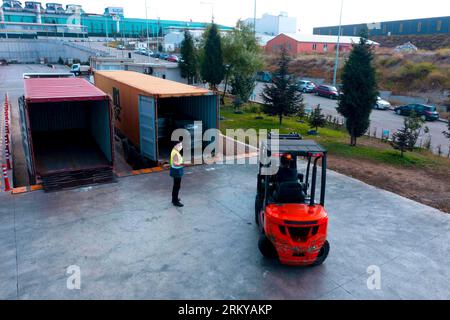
(405, 139)
(317, 119)
(359, 89)
(212, 68)
(283, 97)
(188, 64)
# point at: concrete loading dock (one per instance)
(67, 132)
(147, 110)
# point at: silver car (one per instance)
(306, 86)
(382, 104)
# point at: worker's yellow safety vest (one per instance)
(174, 153)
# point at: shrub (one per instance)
(412, 71)
(253, 108)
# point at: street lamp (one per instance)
(338, 47)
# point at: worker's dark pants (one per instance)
(176, 189)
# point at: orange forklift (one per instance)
(293, 226)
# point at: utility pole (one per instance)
(107, 36)
(338, 47)
(157, 36)
(254, 19)
(212, 9)
(146, 21)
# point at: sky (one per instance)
(309, 14)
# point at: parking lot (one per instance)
(380, 120)
(130, 243)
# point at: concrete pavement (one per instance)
(130, 243)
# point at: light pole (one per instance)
(338, 47)
(212, 9)
(254, 18)
(146, 21)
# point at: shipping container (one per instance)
(67, 132)
(148, 109)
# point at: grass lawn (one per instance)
(369, 161)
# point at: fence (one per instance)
(49, 50)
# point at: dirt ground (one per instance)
(427, 186)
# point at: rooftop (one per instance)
(154, 86)
(325, 39)
(40, 90)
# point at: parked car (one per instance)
(140, 51)
(173, 58)
(327, 91)
(148, 53)
(425, 112)
(163, 56)
(264, 76)
(78, 69)
(382, 104)
(120, 47)
(155, 55)
(306, 86)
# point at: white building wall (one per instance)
(274, 25)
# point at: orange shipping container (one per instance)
(141, 102)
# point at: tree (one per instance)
(188, 64)
(283, 97)
(317, 119)
(405, 139)
(359, 89)
(212, 68)
(447, 133)
(242, 56)
(242, 88)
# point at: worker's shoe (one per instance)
(178, 204)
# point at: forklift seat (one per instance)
(289, 192)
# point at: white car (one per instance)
(382, 104)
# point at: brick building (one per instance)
(300, 43)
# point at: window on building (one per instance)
(314, 47)
(400, 28)
(325, 47)
(439, 25)
(419, 27)
(384, 28)
(354, 31)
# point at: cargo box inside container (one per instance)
(195, 114)
(70, 136)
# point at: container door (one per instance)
(147, 127)
(26, 134)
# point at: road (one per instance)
(380, 120)
(121, 53)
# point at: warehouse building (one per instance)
(301, 43)
(33, 20)
(425, 26)
(273, 25)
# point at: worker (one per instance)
(176, 172)
(285, 172)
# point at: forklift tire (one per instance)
(267, 248)
(323, 254)
(257, 209)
